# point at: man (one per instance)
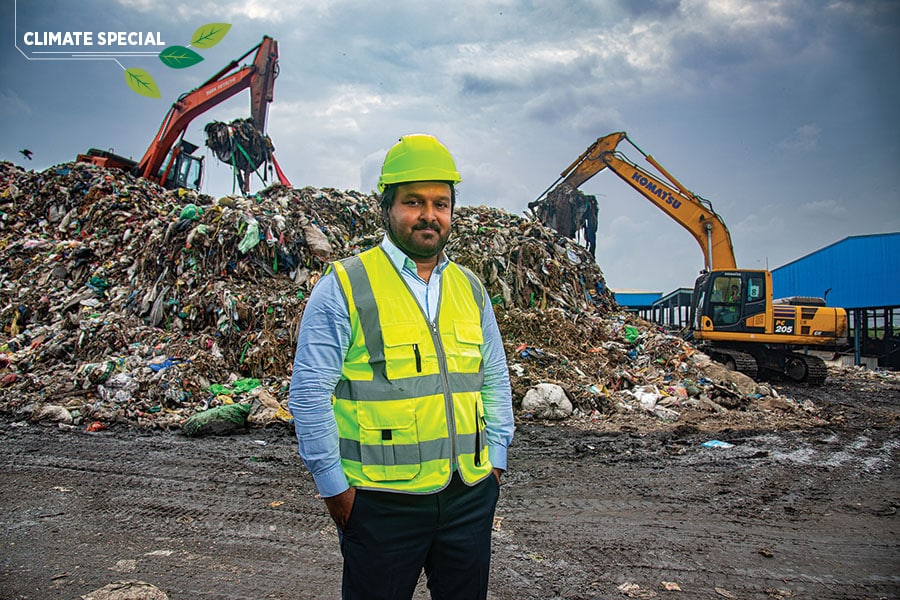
(401, 398)
(734, 295)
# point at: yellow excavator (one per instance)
(734, 317)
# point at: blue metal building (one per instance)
(635, 301)
(860, 271)
(672, 311)
(861, 274)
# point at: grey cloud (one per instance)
(478, 85)
(805, 138)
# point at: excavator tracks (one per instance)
(795, 366)
(805, 368)
(735, 360)
(801, 368)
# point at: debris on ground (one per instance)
(122, 302)
(547, 401)
(127, 590)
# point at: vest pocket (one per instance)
(406, 350)
(389, 441)
(469, 338)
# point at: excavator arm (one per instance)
(734, 317)
(258, 76)
(689, 210)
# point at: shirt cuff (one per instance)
(497, 456)
(331, 482)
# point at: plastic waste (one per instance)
(632, 333)
(547, 401)
(239, 386)
(52, 412)
(119, 388)
(191, 212)
(251, 236)
(95, 373)
(220, 420)
(716, 444)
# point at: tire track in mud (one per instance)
(227, 512)
(617, 540)
(744, 519)
(175, 490)
(809, 513)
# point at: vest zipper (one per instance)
(477, 437)
(448, 396)
(418, 358)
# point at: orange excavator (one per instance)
(734, 317)
(169, 160)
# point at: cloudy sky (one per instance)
(782, 113)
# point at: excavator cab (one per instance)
(181, 168)
(730, 301)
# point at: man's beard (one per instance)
(415, 249)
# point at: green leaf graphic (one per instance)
(179, 57)
(209, 35)
(141, 82)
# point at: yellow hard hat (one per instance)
(417, 157)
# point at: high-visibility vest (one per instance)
(408, 404)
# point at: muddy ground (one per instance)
(617, 508)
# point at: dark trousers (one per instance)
(391, 537)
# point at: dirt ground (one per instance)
(626, 507)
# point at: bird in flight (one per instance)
(27, 153)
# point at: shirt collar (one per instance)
(402, 261)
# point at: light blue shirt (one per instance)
(322, 344)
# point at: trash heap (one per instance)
(619, 364)
(122, 302)
(526, 265)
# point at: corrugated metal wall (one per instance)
(861, 272)
(636, 300)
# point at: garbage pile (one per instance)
(122, 302)
(526, 265)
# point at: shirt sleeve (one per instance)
(322, 343)
(496, 394)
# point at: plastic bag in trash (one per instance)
(632, 333)
(220, 420)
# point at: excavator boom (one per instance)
(259, 77)
(689, 210)
(166, 160)
(734, 316)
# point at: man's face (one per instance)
(419, 219)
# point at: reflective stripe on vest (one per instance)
(408, 405)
